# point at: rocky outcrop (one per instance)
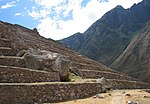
(105, 83)
(48, 61)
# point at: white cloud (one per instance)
(8, 5)
(18, 14)
(38, 13)
(51, 14)
(49, 3)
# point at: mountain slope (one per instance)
(109, 36)
(135, 60)
(74, 41)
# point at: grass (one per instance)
(74, 78)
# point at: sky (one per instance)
(58, 19)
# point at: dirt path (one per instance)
(117, 98)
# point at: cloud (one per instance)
(49, 3)
(61, 18)
(18, 14)
(38, 14)
(8, 5)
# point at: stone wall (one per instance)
(44, 92)
(7, 52)
(125, 84)
(87, 66)
(82, 66)
(4, 43)
(99, 74)
(22, 75)
(12, 61)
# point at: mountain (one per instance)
(74, 39)
(135, 60)
(107, 38)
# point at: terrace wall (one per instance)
(45, 92)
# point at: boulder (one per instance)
(48, 61)
(106, 85)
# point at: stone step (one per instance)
(6, 51)
(4, 42)
(23, 75)
(12, 61)
(92, 74)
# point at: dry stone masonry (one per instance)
(23, 75)
(125, 84)
(33, 75)
(92, 74)
(46, 92)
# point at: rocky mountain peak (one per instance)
(119, 7)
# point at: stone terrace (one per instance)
(20, 38)
(29, 93)
(4, 42)
(23, 75)
(13, 69)
(6, 51)
(92, 74)
(125, 84)
(12, 61)
(19, 85)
